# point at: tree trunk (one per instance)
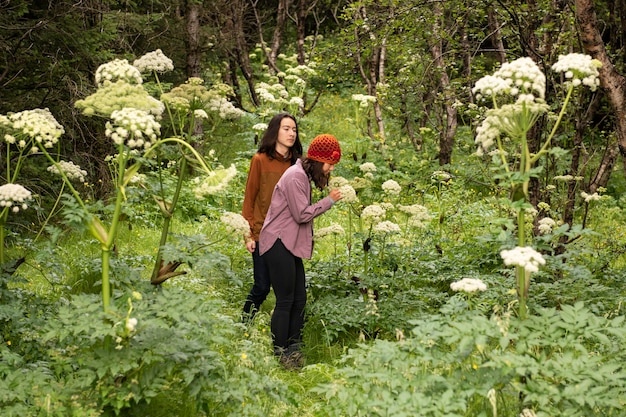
(194, 52)
(235, 27)
(496, 35)
(446, 137)
(613, 83)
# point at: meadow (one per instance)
(416, 305)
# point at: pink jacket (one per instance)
(290, 216)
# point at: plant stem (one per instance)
(167, 220)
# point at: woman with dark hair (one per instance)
(287, 237)
(280, 147)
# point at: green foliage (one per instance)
(140, 350)
(450, 361)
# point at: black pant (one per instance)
(261, 287)
(287, 278)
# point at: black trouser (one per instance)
(261, 287)
(287, 277)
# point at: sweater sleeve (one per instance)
(298, 196)
(252, 189)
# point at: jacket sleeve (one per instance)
(252, 189)
(298, 195)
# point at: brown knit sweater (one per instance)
(263, 175)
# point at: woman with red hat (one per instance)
(287, 237)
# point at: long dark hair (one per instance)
(268, 141)
(315, 171)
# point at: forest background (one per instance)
(386, 334)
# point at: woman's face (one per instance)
(328, 168)
(286, 135)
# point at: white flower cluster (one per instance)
(200, 114)
(510, 119)
(579, 69)
(590, 197)
(136, 128)
(14, 195)
(260, 127)
(367, 167)
(546, 225)
(333, 229)
(487, 133)
(296, 101)
(213, 183)
(491, 86)
(71, 170)
(364, 100)
(519, 76)
(391, 187)
(337, 182)
(38, 124)
(468, 285)
(526, 257)
(118, 69)
(235, 222)
(373, 213)
(386, 227)
(416, 210)
(272, 93)
(224, 108)
(131, 324)
(348, 194)
(154, 61)
(301, 70)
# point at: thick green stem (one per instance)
(106, 288)
(520, 272)
(168, 218)
(545, 146)
(3, 222)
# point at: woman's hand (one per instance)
(251, 246)
(335, 194)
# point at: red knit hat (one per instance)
(324, 148)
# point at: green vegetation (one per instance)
(474, 268)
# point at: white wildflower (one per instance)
(260, 127)
(235, 222)
(154, 61)
(200, 114)
(348, 194)
(131, 324)
(468, 285)
(391, 187)
(525, 257)
(386, 227)
(590, 197)
(546, 225)
(71, 170)
(117, 70)
(579, 69)
(337, 182)
(37, 124)
(367, 167)
(333, 229)
(373, 213)
(364, 100)
(15, 196)
(135, 128)
(213, 183)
